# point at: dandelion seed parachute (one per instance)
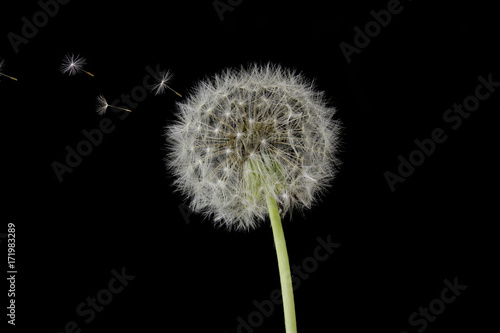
(247, 134)
(162, 79)
(102, 106)
(2, 63)
(73, 65)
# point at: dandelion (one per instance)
(162, 79)
(73, 64)
(253, 143)
(2, 64)
(102, 106)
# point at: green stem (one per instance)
(283, 265)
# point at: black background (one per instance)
(116, 209)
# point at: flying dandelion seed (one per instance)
(2, 64)
(73, 64)
(249, 143)
(162, 79)
(102, 106)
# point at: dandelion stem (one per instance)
(117, 107)
(10, 77)
(283, 265)
(88, 73)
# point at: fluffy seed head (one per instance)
(72, 64)
(2, 63)
(247, 134)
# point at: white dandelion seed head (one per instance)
(162, 79)
(72, 64)
(102, 105)
(279, 140)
